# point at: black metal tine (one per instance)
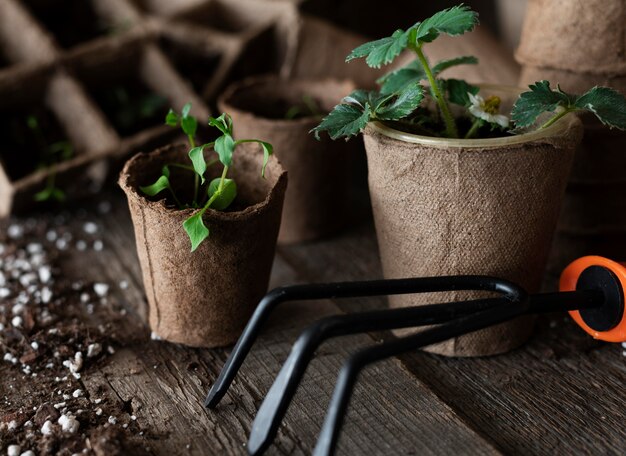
(327, 441)
(280, 395)
(343, 290)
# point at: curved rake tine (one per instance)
(280, 395)
(350, 370)
(342, 290)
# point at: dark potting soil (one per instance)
(131, 106)
(55, 330)
(31, 138)
(432, 127)
(4, 62)
(197, 67)
(71, 21)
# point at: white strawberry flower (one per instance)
(487, 110)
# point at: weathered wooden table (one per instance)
(561, 393)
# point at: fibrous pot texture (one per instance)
(204, 298)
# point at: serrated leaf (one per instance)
(449, 63)
(344, 120)
(382, 51)
(399, 79)
(224, 146)
(607, 104)
(541, 98)
(196, 230)
(457, 91)
(452, 21)
(186, 110)
(162, 183)
(189, 125)
(357, 97)
(171, 118)
(403, 104)
(196, 155)
(225, 197)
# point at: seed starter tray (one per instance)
(108, 81)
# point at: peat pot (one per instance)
(317, 201)
(204, 298)
(477, 206)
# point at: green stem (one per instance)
(472, 131)
(185, 167)
(555, 118)
(221, 185)
(451, 130)
(176, 200)
(196, 179)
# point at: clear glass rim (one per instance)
(559, 127)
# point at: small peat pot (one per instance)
(204, 298)
(283, 112)
(469, 206)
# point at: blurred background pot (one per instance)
(283, 112)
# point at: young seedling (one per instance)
(402, 100)
(219, 193)
(51, 155)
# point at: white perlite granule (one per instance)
(77, 393)
(93, 350)
(90, 228)
(112, 420)
(69, 423)
(47, 429)
(28, 453)
(101, 289)
(13, 450)
(76, 364)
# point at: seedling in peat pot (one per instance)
(217, 194)
(403, 102)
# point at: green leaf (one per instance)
(541, 98)
(223, 123)
(607, 104)
(189, 125)
(457, 91)
(399, 79)
(186, 110)
(171, 118)
(344, 120)
(161, 184)
(195, 229)
(268, 150)
(357, 97)
(224, 146)
(196, 155)
(403, 104)
(166, 171)
(449, 63)
(225, 197)
(452, 21)
(381, 52)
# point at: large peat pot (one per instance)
(478, 206)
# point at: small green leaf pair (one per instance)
(220, 193)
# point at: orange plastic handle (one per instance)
(568, 281)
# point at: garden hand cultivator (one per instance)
(591, 289)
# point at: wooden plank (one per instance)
(165, 384)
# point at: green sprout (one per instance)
(218, 193)
(401, 97)
(51, 155)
